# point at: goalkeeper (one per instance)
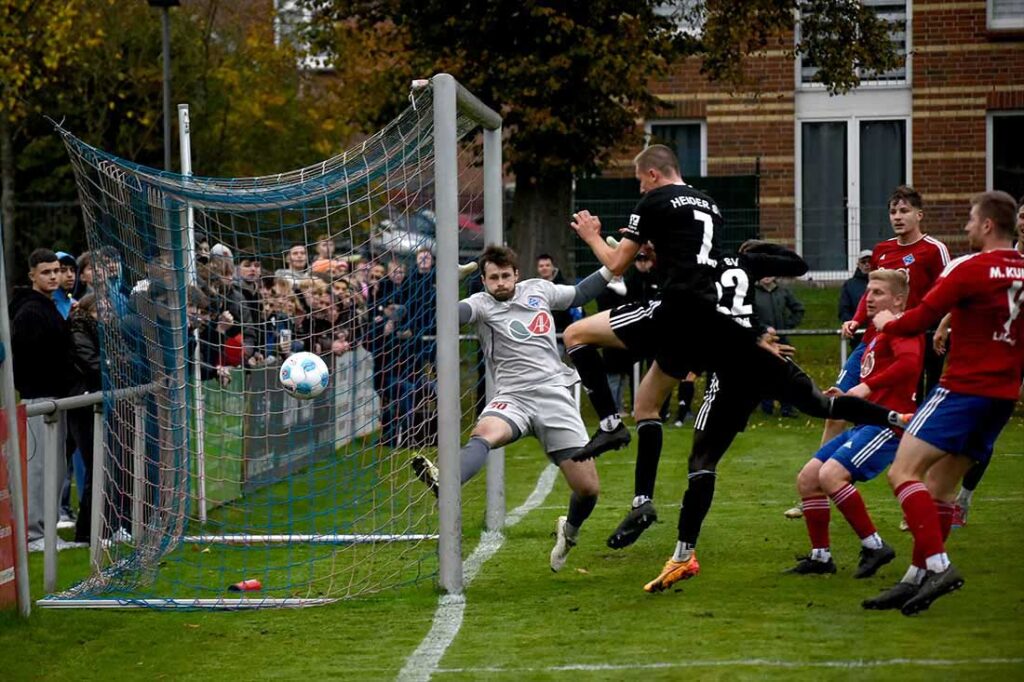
(533, 388)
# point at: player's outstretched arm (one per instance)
(591, 286)
(773, 260)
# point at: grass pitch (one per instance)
(740, 618)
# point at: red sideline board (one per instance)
(8, 593)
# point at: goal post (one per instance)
(450, 98)
(220, 477)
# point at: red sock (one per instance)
(945, 510)
(849, 502)
(923, 519)
(816, 516)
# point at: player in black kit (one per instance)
(684, 328)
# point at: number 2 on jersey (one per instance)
(737, 280)
(1014, 300)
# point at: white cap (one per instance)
(221, 251)
(860, 256)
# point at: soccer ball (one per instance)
(304, 375)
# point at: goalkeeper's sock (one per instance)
(580, 507)
(648, 453)
(590, 366)
(472, 457)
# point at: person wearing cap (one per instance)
(854, 288)
(67, 279)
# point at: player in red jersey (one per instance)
(922, 258)
(888, 375)
(959, 422)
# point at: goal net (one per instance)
(213, 478)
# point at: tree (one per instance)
(572, 78)
(253, 111)
(38, 38)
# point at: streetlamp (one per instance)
(165, 20)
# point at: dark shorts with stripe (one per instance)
(633, 324)
(731, 397)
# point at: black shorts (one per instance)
(692, 336)
(633, 324)
(731, 396)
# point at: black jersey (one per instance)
(683, 224)
(738, 273)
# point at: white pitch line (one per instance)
(423, 662)
(743, 663)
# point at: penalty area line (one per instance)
(423, 662)
(744, 663)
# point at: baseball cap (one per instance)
(863, 254)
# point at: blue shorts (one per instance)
(849, 375)
(865, 450)
(961, 424)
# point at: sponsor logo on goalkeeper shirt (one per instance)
(538, 326)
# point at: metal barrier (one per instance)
(53, 450)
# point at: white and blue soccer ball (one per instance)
(304, 375)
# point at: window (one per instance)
(1006, 152)
(687, 139)
(894, 11)
(848, 169)
(289, 24)
(1005, 13)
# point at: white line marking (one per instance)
(746, 663)
(423, 662)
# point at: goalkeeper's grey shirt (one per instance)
(518, 335)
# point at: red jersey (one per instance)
(922, 261)
(891, 366)
(985, 292)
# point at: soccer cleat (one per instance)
(893, 598)
(959, 516)
(934, 586)
(796, 512)
(903, 420)
(873, 559)
(805, 565)
(636, 522)
(426, 471)
(904, 526)
(673, 572)
(611, 241)
(467, 269)
(562, 545)
(603, 441)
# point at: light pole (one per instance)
(165, 21)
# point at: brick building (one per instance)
(950, 122)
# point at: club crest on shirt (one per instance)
(908, 259)
(867, 363)
(538, 326)
(533, 301)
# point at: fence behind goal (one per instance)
(218, 476)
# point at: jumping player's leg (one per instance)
(849, 376)
(654, 387)
(709, 446)
(582, 340)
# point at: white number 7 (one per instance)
(704, 257)
(1015, 298)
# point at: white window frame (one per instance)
(853, 202)
(682, 121)
(908, 63)
(306, 60)
(1001, 24)
(990, 159)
